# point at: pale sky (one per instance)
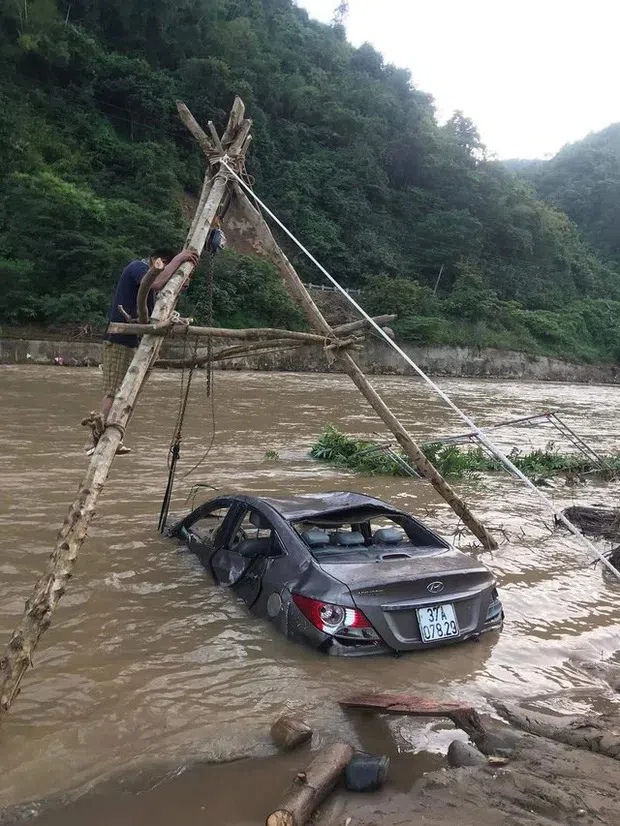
(533, 74)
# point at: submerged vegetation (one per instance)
(364, 456)
(95, 169)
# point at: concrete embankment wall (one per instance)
(375, 358)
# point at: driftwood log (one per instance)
(312, 786)
(250, 232)
(598, 734)
(289, 731)
(51, 586)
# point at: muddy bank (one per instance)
(542, 782)
(375, 358)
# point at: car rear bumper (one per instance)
(335, 648)
(300, 630)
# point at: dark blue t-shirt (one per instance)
(127, 295)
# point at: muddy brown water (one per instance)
(149, 665)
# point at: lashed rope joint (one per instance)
(98, 426)
(96, 423)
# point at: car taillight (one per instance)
(335, 619)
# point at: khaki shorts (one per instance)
(116, 361)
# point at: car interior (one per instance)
(253, 536)
(366, 534)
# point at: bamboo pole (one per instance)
(271, 346)
(51, 586)
(251, 334)
(258, 348)
(246, 221)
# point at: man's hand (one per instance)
(187, 255)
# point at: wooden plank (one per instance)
(404, 704)
(462, 715)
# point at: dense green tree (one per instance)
(583, 180)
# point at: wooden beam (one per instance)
(248, 224)
(50, 588)
(361, 324)
(196, 130)
(235, 120)
(273, 346)
(259, 348)
(244, 130)
(251, 333)
(215, 137)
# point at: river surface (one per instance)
(147, 663)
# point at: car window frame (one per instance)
(205, 510)
(244, 509)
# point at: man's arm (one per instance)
(146, 284)
(169, 270)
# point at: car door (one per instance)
(206, 529)
(245, 554)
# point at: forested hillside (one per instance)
(583, 180)
(95, 169)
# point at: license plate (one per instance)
(437, 622)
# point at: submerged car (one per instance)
(343, 572)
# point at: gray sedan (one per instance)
(345, 573)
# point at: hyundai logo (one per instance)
(435, 587)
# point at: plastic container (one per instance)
(366, 772)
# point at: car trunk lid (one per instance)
(392, 589)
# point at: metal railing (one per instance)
(325, 288)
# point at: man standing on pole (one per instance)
(119, 348)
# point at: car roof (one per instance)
(309, 505)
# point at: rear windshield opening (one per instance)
(376, 536)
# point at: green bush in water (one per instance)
(451, 461)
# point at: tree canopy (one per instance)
(95, 169)
(583, 180)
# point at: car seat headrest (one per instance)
(348, 538)
(315, 538)
(387, 536)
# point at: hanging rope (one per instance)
(209, 318)
(208, 305)
(175, 444)
(203, 309)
